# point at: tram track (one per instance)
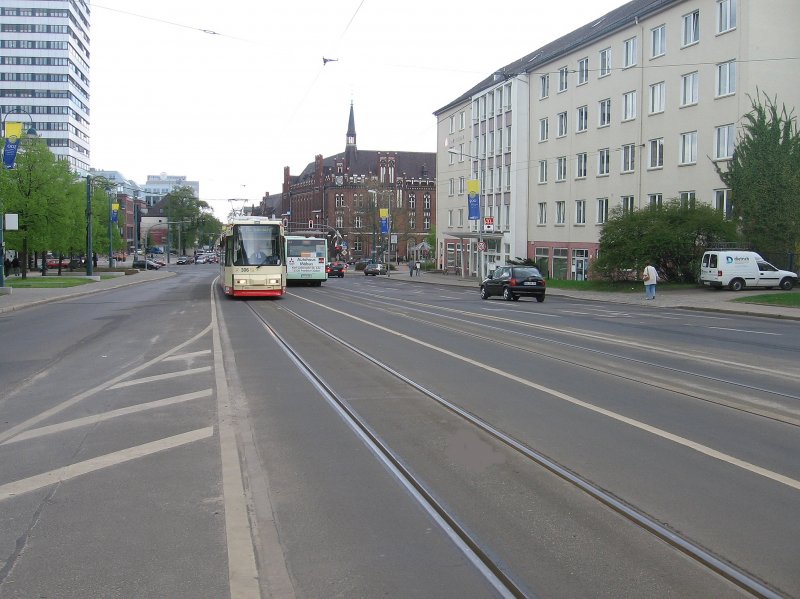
(724, 392)
(703, 556)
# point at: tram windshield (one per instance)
(256, 245)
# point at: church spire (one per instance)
(350, 151)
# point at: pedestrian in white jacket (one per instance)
(650, 278)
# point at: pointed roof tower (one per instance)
(351, 151)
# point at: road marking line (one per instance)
(161, 377)
(15, 430)
(703, 449)
(88, 420)
(194, 354)
(744, 331)
(242, 569)
(66, 473)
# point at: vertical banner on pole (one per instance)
(473, 199)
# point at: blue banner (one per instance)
(384, 226)
(10, 152)
(113, 216)
(473, 203)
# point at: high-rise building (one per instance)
(44, 73)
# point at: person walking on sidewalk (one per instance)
(418, 268)
(650, 278)
(15, 265)
(410, 269)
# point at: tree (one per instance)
(184, 211)
(673, 236)
(764, 177)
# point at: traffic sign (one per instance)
(310, 224)
(481, 246)
(488, 223)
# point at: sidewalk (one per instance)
(701, 298)
(24, 298)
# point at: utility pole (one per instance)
(89, 253)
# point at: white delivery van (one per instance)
(737, 269)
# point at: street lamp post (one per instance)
(474, 212)
(31, 132)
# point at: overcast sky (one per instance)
(230, 93)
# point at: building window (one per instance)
(629, 105)
(603, 162)
(508, 137)
(726, 15)
(605, 62)
(357, 221)
(722, 202)
(726, 78)
(628, 158)
(542, 213)
(655, 200)
(462, 120)
(462, 182)
(691, 28)
(544, 129)
(689, 89)
(580, 212)
(449, 219)
(508, 176)
(563, 79)
(561, 168)
(627, 203)
(580, 166)
(412, 201)
(543, 171)
(629, 49)
(604, 112)
(451, 190)
(658, 41)
(687, 199)
(544, 86)
(561, 209)
(724, 142)
(562, 124)
(583, 71)
(582, 119)
(656, 158)
(452, 123)
(499, 141)
(688, 148)
(657, 97)
(602, 210)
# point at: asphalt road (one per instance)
(160, 440)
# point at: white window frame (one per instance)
(544, 86)
(562, 125)
(655, 200)
(580, 212)
(724, 141)
(561, 212)
(628, 155)
(655, 157)
(563, 79)
(581, 160)
(605, 63)
(604, 113)
(688, 198)
(543, 171)
(658, 41)
(583, 70)
(690, 86)
(726, 15)
(658, 97)
(688, 148)
(690, 29)
(629, 105)
(451, 190)
(602, 211)
(542, 214)
(628, 203)
(581, 119)
(603, 162)
(722, 202)
(544, 129)
(561, 168)
(629, 52)
(726, 79)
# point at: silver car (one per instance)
(375, 268)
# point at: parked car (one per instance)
(336, 269)
(182, 260)
(375, 268)
(512, 282)
(738, 270)
(54, 262)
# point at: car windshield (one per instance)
(527, 272)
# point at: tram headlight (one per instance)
(274, 281)
(242, 281)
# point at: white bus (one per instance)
(306, 259)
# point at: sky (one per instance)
(229, 94)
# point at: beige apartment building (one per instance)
(631, 110)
